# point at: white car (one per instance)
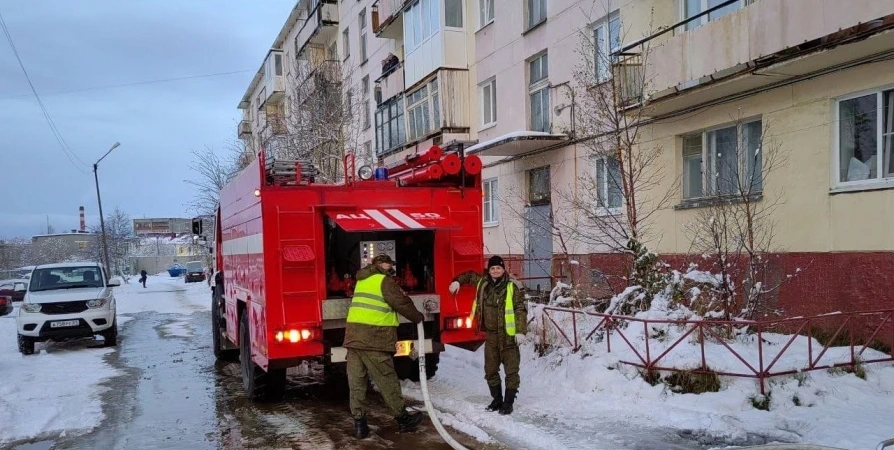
(67, 301)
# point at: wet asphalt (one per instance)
(173, 395)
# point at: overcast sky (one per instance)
(75, 52)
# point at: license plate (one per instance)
(404, 348)
(64, 323)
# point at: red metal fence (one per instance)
(862, 330)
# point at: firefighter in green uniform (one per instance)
(371, 338)
(500, 311)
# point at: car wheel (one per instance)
(258, 384)
(110, 336)
(26, 345)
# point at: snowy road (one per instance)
(163, 390)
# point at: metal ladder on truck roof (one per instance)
(290, 171)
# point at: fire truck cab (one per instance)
(287, 248)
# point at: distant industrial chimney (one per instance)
(83, 220)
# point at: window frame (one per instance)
(421, 12)
(397, 120)
(492, 99)
(709, 184)
(362, 25)
(603, 189)
(462, 15)
(882, 179)
(704, 20)
(541, 13)
(430, 102)
(605, 24)
(346, 42)
(539, 87)
(490, 202)
(483, 19)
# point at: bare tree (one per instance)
(13, 253)
(629, 184)
(213, 170)
(735, 228)
(322, 118)
(119, 236)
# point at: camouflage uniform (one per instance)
(371, 350)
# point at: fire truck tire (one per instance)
(259, 385)
(407, 369)
(221, 354)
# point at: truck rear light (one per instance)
(294, 335)
(458, 323)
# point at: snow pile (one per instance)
(592, 399)
(37, 396)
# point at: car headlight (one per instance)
(97, 303)
(31, 307)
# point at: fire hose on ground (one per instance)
(423, 379)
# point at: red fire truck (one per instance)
(287, 248)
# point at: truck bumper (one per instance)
(340, 354)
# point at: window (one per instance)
(390, 126)
(608, 184)
(364, 89)
(361, 24)
(421, 22)
(453, 13)
(694, 7)
(538, 92)
(606, 40)
(277, 63)
(82, 245)
(423, 111)
(723, 161)
(866, 137)
(536, 12)
(489, 206)
(346, 43)
(489, 102)
(539, 188)
(485, 12)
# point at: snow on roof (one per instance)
(68, 264)
(85, 233)
(514, 136)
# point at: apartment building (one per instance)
(402, 68)
(814, 78)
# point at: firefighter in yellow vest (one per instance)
(500, 310)
(371, 339)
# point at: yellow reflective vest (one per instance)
(368, 305)
(509, 311)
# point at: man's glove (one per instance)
(454, 287)
(520, 339)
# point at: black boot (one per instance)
(408, 421)
(507, 403)
(361, 428)
(497, 393)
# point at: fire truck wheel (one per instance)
(221, 354)
(259, 385)
(408, 369)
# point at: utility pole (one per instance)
(102, 222)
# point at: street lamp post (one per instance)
(102, 222)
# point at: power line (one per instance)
(72, 156)
(137, 83)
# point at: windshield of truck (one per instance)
(194, 266)
(52, 278)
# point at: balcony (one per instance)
(387, 19)
(628, 79)
(274, 82)
(747, 48)
(244, 129)
(391, 83)
(317, 79)
(321, 25)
